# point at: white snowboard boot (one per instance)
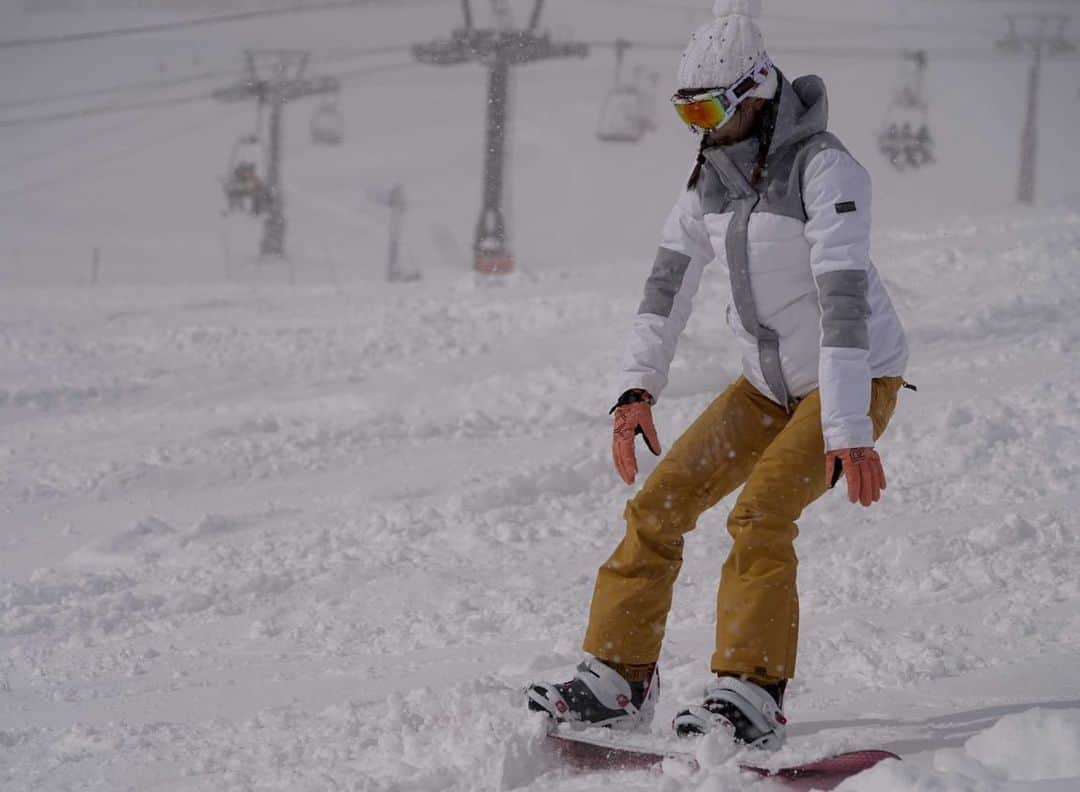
(597, 696)
(743, 709)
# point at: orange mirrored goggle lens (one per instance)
(703, 114)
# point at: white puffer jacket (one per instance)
(808, 307)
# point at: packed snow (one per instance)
(317, 538)
(301, 529)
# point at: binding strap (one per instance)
(610, 689)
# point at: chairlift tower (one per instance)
(275, 77)
(1040, 39)
(499, 48)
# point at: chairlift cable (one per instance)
(182, 24)
(385, 67)
(332, 56)
(147, 86)
(345, 54)
(108, 109)
(832, 22)
(352, 53)
(113, 108)
(78, 169)
(869, 53)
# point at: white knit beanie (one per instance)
(721, 50)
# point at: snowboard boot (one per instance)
(750, 713)
(597, 696)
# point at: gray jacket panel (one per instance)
(664, 282)
(724, 186)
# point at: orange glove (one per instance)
(862, 469)
(633, 416)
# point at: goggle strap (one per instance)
(726, 99)
(745, 87)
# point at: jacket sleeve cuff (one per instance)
(652, 382)
(853, 433)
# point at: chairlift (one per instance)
(649, 91)
(907, 147)
(1011, 41)
(621, 118)
(328, 125)
(244, 188)
(905, 137)
(1059, 44)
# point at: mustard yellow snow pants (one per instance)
(741, 437)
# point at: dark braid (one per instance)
(766, 128)
(692, 184)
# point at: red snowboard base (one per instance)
(585, 752)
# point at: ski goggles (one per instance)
(712, 109)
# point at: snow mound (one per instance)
(1036, 745)
(895, 776)
(469, 736)
(1039, 745)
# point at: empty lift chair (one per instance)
(621, 118)
(328, 125)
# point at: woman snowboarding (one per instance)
(783, 210)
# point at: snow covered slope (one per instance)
(262, 536)
(317, 538)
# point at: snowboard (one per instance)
(595, 751)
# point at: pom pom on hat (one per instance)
(747, 8)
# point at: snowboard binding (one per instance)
(597, 696)
(743, 709)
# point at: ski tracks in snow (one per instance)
(318, 538)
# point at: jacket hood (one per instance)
(804, 111)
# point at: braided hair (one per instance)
(766, 126)
(765, 129)
(696, 173)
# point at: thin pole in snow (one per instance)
(1029, 141)
(397, 218)
(95, 265)
(534, 20)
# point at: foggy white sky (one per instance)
(69, 185)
